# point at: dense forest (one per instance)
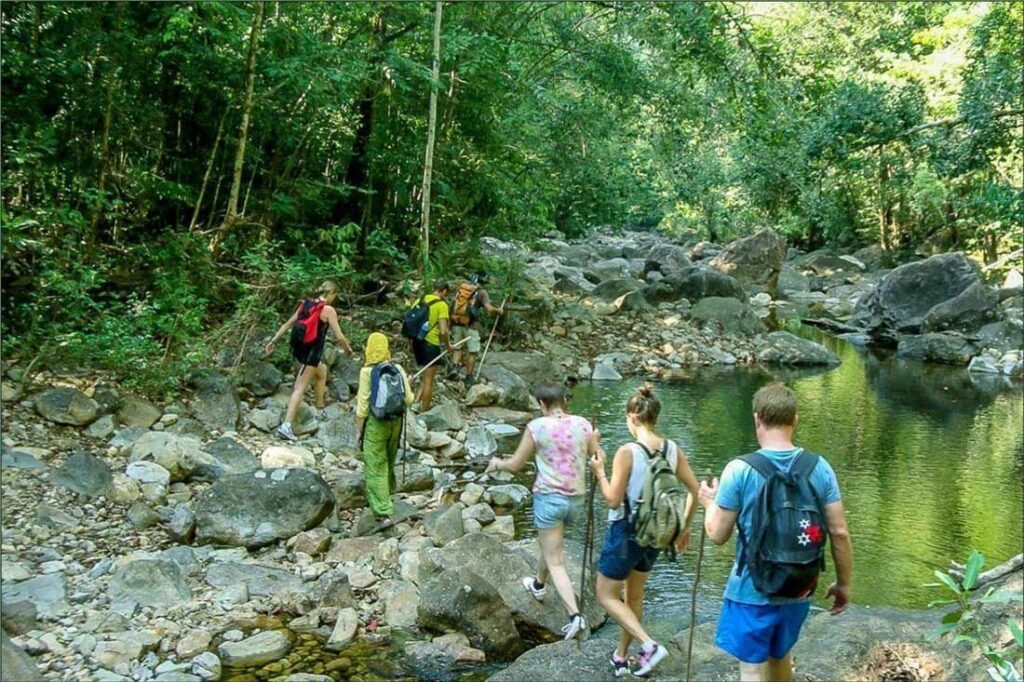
(172, 170)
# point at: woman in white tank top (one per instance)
(624, 563)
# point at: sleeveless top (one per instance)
(637, 473)
(561, 459)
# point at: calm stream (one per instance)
(929, 465)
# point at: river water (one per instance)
(929, 464)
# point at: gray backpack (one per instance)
(659, 516)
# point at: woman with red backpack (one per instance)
(309, 325)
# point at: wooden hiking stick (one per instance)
(480, 367)
(693, 595)
(588, 534)
(447, 350)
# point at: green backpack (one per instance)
(659, 516)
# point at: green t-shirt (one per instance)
(438, 312)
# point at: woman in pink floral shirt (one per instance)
(561, 444)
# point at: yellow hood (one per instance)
(377, 350)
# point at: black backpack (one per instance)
(387, 391)
(415, 324)
(306, 330)
(785, 551)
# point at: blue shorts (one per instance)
(754, 633)
(620, 554)
(551, 510)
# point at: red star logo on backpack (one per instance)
(814, 533)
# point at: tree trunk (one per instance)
(428, 161)
(231, 215)
(209, 169)
(884, 208)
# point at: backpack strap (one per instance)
(804, 464)
(760, 464)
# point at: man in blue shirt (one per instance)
(757, 629)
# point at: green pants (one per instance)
(380, 445)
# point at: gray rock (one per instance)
(150, 582)
(214, 402)
(445, 524)
(136, 411)
(605, 372)
(16, 665)
(782, 348)
(349, 490)
(344, 629)
(899, 303)
(460, 600)
(610, 268)
(260, 377)
(443, 417)
(148, 472)
(401, 603)
(666, 259)
(480, 512)
(63, 405)
(337, 432)
(755, 260)
(480, 442)
(975, 306)
(179, 455)
(514, 391)
(312, 542)
(207, 666)
(259, 579)
(352, 549)
(189, 427)
(727, 314)
(18, 617)
(259, 508)
(505, 435)
(412, 477)
(947, 348)
(102, 428)
(255, 651)
(182, 525)
(1003, 336)
(142, 516)
(126, 436)
(265, 420)
(83, 473)
(533, 367)
(14, 459)
(46, 592)
(510, 495)
(482, 395)
(227, 457)
(694, 283)
(611, 289)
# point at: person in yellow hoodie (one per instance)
(384, 394)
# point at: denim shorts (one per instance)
(620, 554)
(551, 510)
(753, 633)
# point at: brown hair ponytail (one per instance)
(645, 405)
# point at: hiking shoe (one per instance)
(575, 627)
(285, 431)
(531, 587)
(621, 665)
(649, 659)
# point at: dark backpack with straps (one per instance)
(416, 323)
(306, 330)
(387, 391)
(785, 550)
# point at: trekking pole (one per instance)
(693, 595)
(480, 367)
(446, 351)
(588, 537)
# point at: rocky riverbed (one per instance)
(183, 541)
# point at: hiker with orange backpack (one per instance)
(309, 325)
(471, 302)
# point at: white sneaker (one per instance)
(575, 626)
(285, 431)
(529, 585)
(649, 659)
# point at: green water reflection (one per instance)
(929, 464)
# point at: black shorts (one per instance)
(312, 355)
(425, 352)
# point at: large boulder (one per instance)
(949, 348)
(533, 367)
(349, 489)
(504, 568)
(260, 580)
(727, 314)
(258, 650)
(46, 592)
(666, 259)
(259, 508)
(15, 663)
(443, 525)
(63, 405)
(976, 306)
(214, 402)
(150, 582)
(136, 411)
(337, 432)
(461, 600)
(443, 417)
(480, 442)
(610, 268)
(694, 283)
(1003, 336)
(513, 390)
(260, 377)
(227, 456)
(903, 298)
(85, 474)
(782, 348)
(754, 261)
(612, 289)
(180, 455)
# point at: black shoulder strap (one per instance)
(760, 464)
(804, 464)
(647, 450)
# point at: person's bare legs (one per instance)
(470, 363)
(751, 672)
(320, 387)
(542, 566)
(635, 600)
(609, 595)
(426, 391)
(553, 563)
(298, 391)
(778, 670)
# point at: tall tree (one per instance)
(428, 158)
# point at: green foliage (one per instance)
(965, 624)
